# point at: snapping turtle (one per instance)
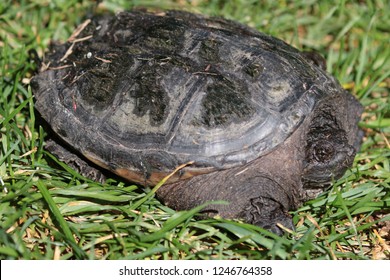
(140, 93)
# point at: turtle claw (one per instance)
(268, 214)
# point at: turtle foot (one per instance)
(268, 214)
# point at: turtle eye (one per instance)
(323, 151)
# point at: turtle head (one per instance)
(332, 140)
(328, 155)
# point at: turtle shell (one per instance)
(140, 93)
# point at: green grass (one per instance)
(49, 212)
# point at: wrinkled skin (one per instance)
(263, 123)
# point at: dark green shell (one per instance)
(141, 93)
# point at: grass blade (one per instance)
(60, 219)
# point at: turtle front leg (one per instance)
(267, 213)
(255, 199)
(268, 203)
(75, 161)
